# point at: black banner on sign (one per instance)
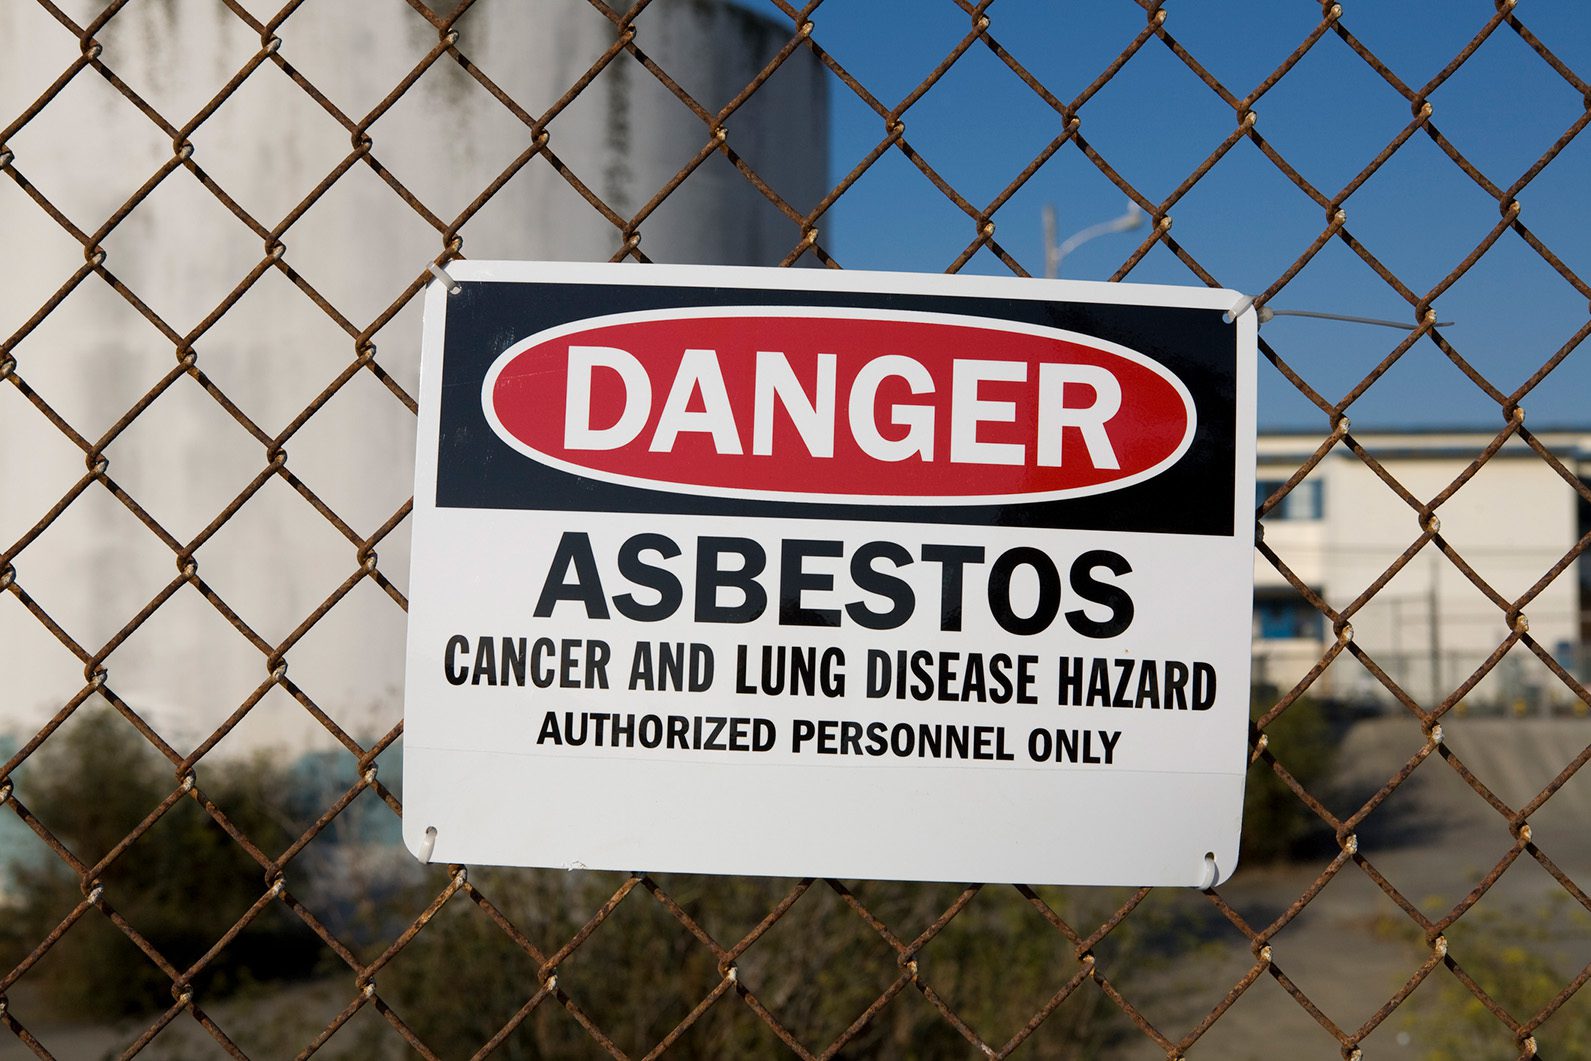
(477, 469)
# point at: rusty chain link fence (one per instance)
(402, 960)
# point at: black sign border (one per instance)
(476, 469)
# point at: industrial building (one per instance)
(1342, 527)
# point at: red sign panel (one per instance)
(864, 406)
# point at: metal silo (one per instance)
(263, 337)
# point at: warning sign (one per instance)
(830, 574)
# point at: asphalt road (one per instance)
(1434, 840)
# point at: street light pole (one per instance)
(1054, 254)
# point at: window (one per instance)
(1304, 501)
(1282, 614)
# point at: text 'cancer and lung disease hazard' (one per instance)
(849, 575)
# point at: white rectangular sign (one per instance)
(830, 574)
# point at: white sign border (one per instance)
(430, 846)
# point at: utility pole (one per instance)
(1436, 631)
(1054, 252)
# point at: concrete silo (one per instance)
(360, 229)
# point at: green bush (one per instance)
(181, 886)
(1277, 825)
(817, 970)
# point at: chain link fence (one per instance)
(391, 959)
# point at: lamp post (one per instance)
(1053, 253)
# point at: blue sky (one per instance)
(1244, 222)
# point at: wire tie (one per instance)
(1240, 307)
(1439, 946)
(442, 275)
(273, 45)
(5, 792)
(1210, 872)
(1524, 832)
(1353, 320)
(5, 158)
(551, 984)
(733, 975)
(1436, 734)
(428, 845)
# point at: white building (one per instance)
(1342, 527)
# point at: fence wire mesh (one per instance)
(760, 958)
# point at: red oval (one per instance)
(527, 395)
